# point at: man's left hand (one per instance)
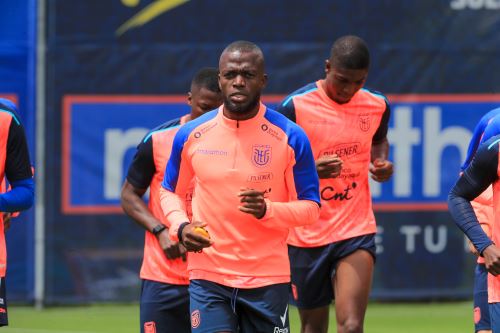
(252, 202)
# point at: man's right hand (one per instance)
(172, 250)
(192, 240)
(492, 259)
(328, 166)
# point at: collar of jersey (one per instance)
(242, 124)
(328, 100)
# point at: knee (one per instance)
(314, 326)
(351, 326)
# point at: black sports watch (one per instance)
(158, 229)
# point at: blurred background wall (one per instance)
(114, 69)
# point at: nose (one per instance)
(239, 81)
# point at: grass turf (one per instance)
(386, 318)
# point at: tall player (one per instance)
(164, 305)
(254, 178)
(347, 126)
(16, 167)
(488, 126)
(482, 172)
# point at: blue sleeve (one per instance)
(304, 171)
(475, 179)
(20, 197)
(492, 129)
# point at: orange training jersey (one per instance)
(266, 153)
(147, 170)
(348, 131)
(483, 208)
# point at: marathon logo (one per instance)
(344, 150)
(260, 177)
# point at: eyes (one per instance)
(343, 80)
(229, 75)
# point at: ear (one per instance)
(264, 80)
(328, 66)
(190, 99)
(220, 87)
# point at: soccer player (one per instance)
(254, 178)
(482, 172)
(164, 305)
(347, 126)
(488, 126)
(16, 167)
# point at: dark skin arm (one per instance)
(6, 221)
(192, 240)
(136, 208)
(252, 202)
(328, 166)
(381, 169)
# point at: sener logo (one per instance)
(344, 150)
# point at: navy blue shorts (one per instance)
(164, 308)
(495, 316)
(3, 303)
(217, 308)
(313, 269)
(481, 309)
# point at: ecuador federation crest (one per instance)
(364, 122)
(261, 155)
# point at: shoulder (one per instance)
(374, 96)
(167, 126)
(8, 108)
(307, 89)
(291, 129)
(187, 129)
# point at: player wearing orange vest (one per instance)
(487, 127)
(164, 305)
(347, 126)
(254, 178)
(16, 167)
(483, 171)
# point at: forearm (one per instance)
(465, 218)
(20, 197)
(380, 150)
(136, 208)
(174, 211)
(291, 214)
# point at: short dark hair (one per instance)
(245, 46)
(350, 52)
(208, 78)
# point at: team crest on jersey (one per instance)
(150, 327)
(195, 318)
(364, 122)
(261, 155)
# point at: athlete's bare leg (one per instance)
(352, 284)
(314, 320)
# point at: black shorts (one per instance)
(3, 303)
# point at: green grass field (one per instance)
(381, 318)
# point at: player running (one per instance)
(164, 305)
(16, 167)
(347, 126)
(254, 178)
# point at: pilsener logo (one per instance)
(147, 14)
